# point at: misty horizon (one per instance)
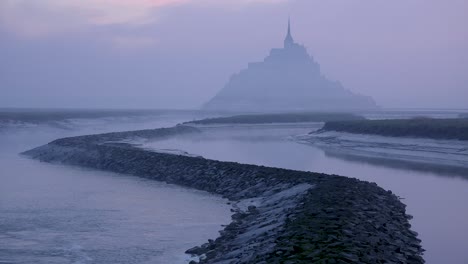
(234, 131)
(178, 54)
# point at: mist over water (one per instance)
(63, 214)
(376, 59)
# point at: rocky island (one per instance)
(280, 216)
(288, 79)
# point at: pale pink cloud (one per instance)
(38, 18)
(123, 11)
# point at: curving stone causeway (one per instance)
(279, 215)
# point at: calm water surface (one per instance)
(438, 202)
(62, 214)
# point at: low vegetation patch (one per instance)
(456, 128)
(278, 118)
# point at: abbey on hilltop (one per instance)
(287, 80)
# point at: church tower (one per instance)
(288, 41)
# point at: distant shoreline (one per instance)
(50, 115)
(456, 128)
(277, 118)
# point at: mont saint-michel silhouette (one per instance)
(288, 79)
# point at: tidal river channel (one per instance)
(62, 214)
(438, 201)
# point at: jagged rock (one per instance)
(196, 250)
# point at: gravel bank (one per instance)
(280, 216)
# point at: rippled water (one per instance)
(438, 201)
(62, 214)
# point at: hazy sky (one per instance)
(179, 53)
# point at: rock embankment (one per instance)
(280, 216)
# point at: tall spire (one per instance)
(288, 41)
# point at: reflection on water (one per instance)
(436, 200)
(435, 169)
(62, 214)
(55, 214)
